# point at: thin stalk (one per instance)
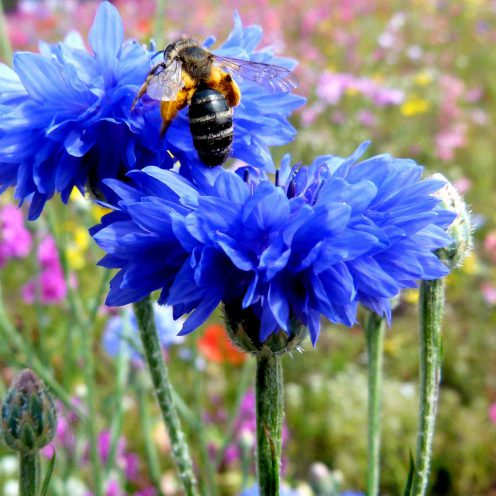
(36, 267)
(145, 422)
(231, 424)
(246, 459)
(374, 333)
(29, 478)
(163, 391)
(118, 410)
(93, 311)
(270, 412)
(89, 380)
(431, 316)
(208, 488)
(5, 47)
(187, 414)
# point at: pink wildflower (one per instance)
(148, 491)
(451, 138)
(333, 86)
(15, 239)
(489, 293)
(367, 118)
(490, 245)
(492, 413)
(50, 285)
(463, 185)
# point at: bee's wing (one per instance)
(271, 77)
(166, 84)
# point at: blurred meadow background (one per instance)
(418, 78)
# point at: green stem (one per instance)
(431, 316)
(270, 412)
(5, 48)
(29, 474)
(374, 333)
(163, 391)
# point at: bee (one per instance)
(191, 75)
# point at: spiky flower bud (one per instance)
(28, 414)
(460, 229)
(243, 328)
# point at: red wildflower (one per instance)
(215, 346)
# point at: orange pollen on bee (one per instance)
(224, 83)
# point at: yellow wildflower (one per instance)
(410, 296)
(81, 238)
(423, 79)
(414, 106)
(98, 212)
(75, 257)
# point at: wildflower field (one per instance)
(307, 229)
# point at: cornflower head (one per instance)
(67, 120)
(318, 241)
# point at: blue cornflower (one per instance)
(260, 120)
(122, 330)
(318, 242)
(66, 117)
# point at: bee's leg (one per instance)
(224, 83)
(142, 90)
(168, 110)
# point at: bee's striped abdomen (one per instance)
(210, 122)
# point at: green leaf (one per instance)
(409, 480)
(48, 476)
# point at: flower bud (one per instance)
(460, 229)
(28, 414)
(243, 327)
